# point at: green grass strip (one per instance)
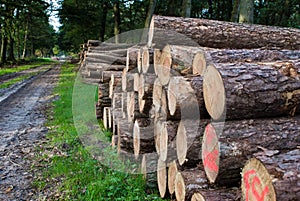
(81, 176)
(33, 64)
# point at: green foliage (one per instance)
(81, 176)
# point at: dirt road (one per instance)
(22, 118)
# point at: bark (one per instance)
(217, 194)
(246, 11)
(186, 8)
(149, 168)
(143, 138)
(179, 60)
(185, 98)
(103, 20)
(117, 19)
(244, 139)
(106, 75)
(125, 137)
(217, 34)
(188, 141)
(188, 182)
(25, 38)
(252, 90)
(167, 140)
(249, 55)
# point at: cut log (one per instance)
(143, 137)
(251, 90)
(149, 169)
(185, 59)
(210, 153)
(157, 93)
(132, 58)
(167, 144)
(172, 171)
(106, 75)
(133, 108)
(145, 92)
(111, 46)
(156, 59)
(114, 85)
(217, 194)
(162, 177)
(127, 81)
(106, 59)
(185, 98)
(147, 60)
(188, 141)
(188, 182)
(125, 137)
(163, 69)
(250, 55)
(284, 171)
(106, 117)
(256, 182)
(220, 34)
(241, 140)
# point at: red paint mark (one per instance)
(209, 134)
(210, 159)
(255, 182)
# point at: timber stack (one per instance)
(212, 116)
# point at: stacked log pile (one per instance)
(166, 105)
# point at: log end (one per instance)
(214, 93)
(210, 153)
(256, 182)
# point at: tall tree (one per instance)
(246, 11)
(117, 19)
(186, 8)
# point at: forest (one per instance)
(26, 31)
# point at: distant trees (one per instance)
(24, 29)
(103, 19)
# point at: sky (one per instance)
(54, 21)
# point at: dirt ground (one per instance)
(22, 129)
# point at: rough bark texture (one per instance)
(217, 34)
(241, 140)
(253, 90)
(188, 182)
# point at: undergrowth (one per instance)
(79, 175)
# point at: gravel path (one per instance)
(22, 118)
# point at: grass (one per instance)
(17, 79)
(78, 174)
(33, 64)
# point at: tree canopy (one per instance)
(25, 28)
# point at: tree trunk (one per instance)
(186, 8)
(25, 38)
(3, 49)
(103, 21)
(246, 11)
(235, 11)
(151, 9)
(217, 34)
(117, 19)
(252, 90)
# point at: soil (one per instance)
(22, 132)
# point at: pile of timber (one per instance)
(219, 121)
